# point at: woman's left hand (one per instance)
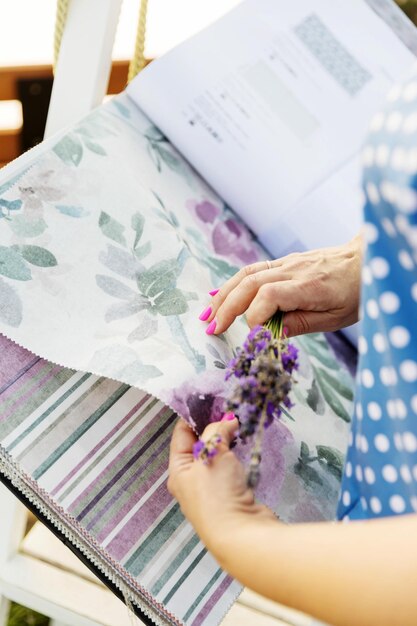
(213, 496)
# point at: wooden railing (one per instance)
(32, 86)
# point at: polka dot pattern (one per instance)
(375, 504)
(389, 474)
(374, 411)
(380, 343)
(381, 443)
(397, 504)
(370, 230)
(399, 336)
(406, 260)
(379, 267)
(396, 409)
(366, 275)
(380, 477)
(409, 442)
(388, 375)
(405, 473)
(389, 227)
(367, 378)
(362, 345)
(408, 371)
(369, 475)
(372, 309)
(389, 302)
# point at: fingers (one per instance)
(239, 299)
(182, 440)
(302, 283)
(290, 262)
(281, 294)
(181, 447)
(243, 273)
(239, 292)
(286, 296)
(226, 429)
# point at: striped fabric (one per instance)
(114, 496)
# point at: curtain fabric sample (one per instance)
(109, 244)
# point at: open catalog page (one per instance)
(274, 98)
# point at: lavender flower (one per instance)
(263, 369)
(206, 451)
(198, 447)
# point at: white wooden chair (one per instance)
(36, 570)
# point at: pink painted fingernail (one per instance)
(213, 293)
(285, 330)
(205, 314)
(228, 417)
(211, 327)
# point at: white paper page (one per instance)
(273, 98)
(330, 215)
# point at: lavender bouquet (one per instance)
(263, 375)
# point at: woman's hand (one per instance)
(214, 497)
(319, 568)
(318, 290)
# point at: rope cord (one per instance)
(138, 61)
(60, 19)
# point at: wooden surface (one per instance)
(9, 144)
(249, 610)
(9, 77)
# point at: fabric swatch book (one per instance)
(241, 144)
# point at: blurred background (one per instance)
(409, 7)
(26, 56)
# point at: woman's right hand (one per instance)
(317, 290)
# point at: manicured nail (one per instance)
(211, 327)
(205, 314)
(285, 331)
(213, 293)
(228, 417)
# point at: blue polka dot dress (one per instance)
(380, 476)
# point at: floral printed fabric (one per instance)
(109, 244)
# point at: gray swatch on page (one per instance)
(332, 55)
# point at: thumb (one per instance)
(226, 428)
